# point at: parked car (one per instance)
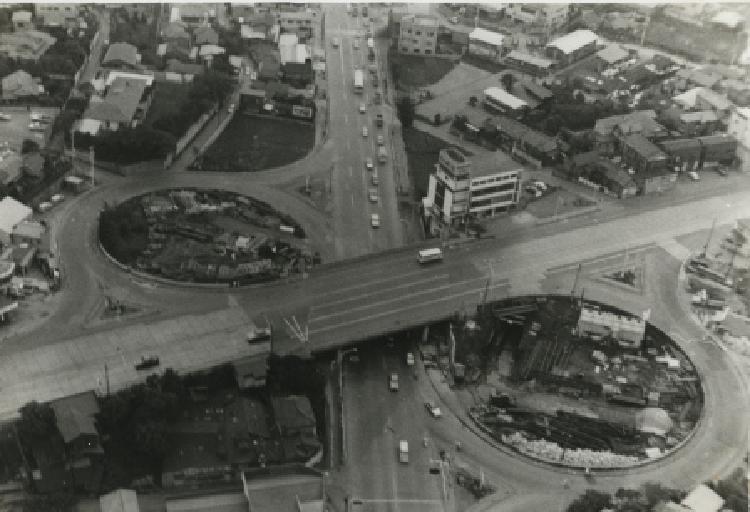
(381, 140)
(362, 108)
(36, 127)
(722, 171)
(393, 382)
(364, 131)
(453, 19)
(4, 116)
(694, 176)
(433, 409)
(409, 359)
(369, 165)
(335, 42)
(375, 220)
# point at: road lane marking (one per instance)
(400, 297)
(402, 309)
(358, 297)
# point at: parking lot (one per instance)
(16, 129)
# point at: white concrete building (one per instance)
(739, 128)
(629, 331)
(288, 48)
(461, 188)
(549, 15)
(418, 34)
(487, 44)
(12, 213)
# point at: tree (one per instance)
(405, 111)
(591, 501)
(580, 98)
(57, 502)
(473, 101)
(508, 80)
(655, 493)
(37, 420)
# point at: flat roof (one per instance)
(11, 213)
(645, 147)
(530, 59)
(574, 40)
(612, 54)
(504, 97)
(487, 36)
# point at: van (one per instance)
(403, 452)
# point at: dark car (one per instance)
(147, 362)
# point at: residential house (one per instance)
(177, 39)
(297, 74)
(262, 27)
(187, 70)
(701, 98)
(523, 142)
(698, 78)
(251, 371)
(685, 154)
(718, 149)
(297, 22)
(20, 86)
(124, 106)
(528, 63)
(120, 500)
(641, 155)
(28, 45)
(536, 91)
(252, 96)
(22, 21)
(739, 127)
(701, 122)
(656, 180)
(121, 56)
(418, 34)
(487, 44)
(550, 16)
(609, 130)
(267, 61)
(12, 213)
(63, 15)
(28, 232)
(572, 47)
(612, 55)
(75, 420)
(205, 35)
(596, 171)
(209, 51)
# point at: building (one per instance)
(718, 150)
(28, 45)
(697, 78)
(213, 502)
(194, 14)
(20, 86)
(121, 56)
(528, 63)
(728, 21)
(205, 35)
(656, 180)
(28, 232)
(498, 100)
(550, 16)
(572, 47)
(124, 106)
(629, 331)
(642, 155)
(297, 22)
(612, 55)
(303, 492)
(21, 20)
(12, 213)
(487, 44)
(288, 48)
(739, 127)
(460, 189)
(251, 371)
(57, 15)
(701, 122)
(703, 499)
(121, 500)
(523, 142)
(684, 154)
(609, 130)
(418, 34)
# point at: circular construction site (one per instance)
(204, 236)
(571, 382)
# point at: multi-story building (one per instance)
(572, 47)
(418, 34)
(629, 331)
(57, 15)
(460, 189)
(551, 16)
(487, 44)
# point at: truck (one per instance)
(382, 155)
(359, 81)
(379, 120)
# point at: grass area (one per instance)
(168, 101)
(253, 143)
(422, 151)
(410, 71)
(689, 42)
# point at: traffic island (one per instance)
(569, 381)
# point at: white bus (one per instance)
(428, 255)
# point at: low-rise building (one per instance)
(21, 20)
(612, 55)
(523, 142)
(297, 22)
(487, 44)
(718, 149)
(20, 86)
(205, 35)
(303, 492)
(194, 14)
(418, 34)
(684, 154)
(655, 181)
(12, 213)
(642, 155)
(701, 122)
(500, 101)
(124, 105)
(27, 45)
(572, 47)
(63, 15)
(28, 232)
(528, 63)
(550, 16)
(609, 130)
(629, 331)
(739, 127)
(121, 56)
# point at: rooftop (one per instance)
(120, 103)
(573, 41)
(701, 116)
(281, 494)
(703, 499)
(293, 411)
(234, 502)
(612, 54)
(702, 78)
(644, 147)
(506, 98)
(645, 118)
(729, 19)
(74, 415)
(12, 212)
(27, 44)
(21, 17)
(424, 20)
(530, 59)
(121, 500)
(29, 229)
(487, 36)
(121, 52)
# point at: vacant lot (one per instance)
(168, 101)
(252, 143)
(422, 151)
(411, 72)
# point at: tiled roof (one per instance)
(74, 415)
(120, 103)
(121, 52)
(644, 147)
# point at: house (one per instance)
(63, 15)
(28, 45)
(267, 61)
(418, 34)
(205, 35)
(698, 78)
(21, 21)
(655, 180)
(498, 100)
(523, 142)
(718, 149)
(684, 154)
(550, 16)
(739, 127)
(288, 48)
(702, 122)
(301, 74)
(10, 167)
(20, 86)
(641, 154)
(28, 232)
(608, 130)
(185, 68)
(12, 213)
(263, 27)
(572, 47)
(120, 500)
(532, 64)
(597, 171)
(293, 416)
(194, 14)
(209, 51)
(124, 105)
(251, 372)
(121, 56)
(487, 44)
(176, 36)
(612, 55)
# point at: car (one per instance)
(364, 131)
(373, 195)
(433, 409)
(393, 382)
(375, 179)
(381, 140)
(36, 127)
(453, 19)
(335, 42)
(147, 362)
(722, 171)
(356, 43)
(540, 185)
(409, 359)
(369, 165)
(4, 116)
(694, 176)
(230, 108)
(36, 117)
(362, 108)
(531, 189)
(375, 220)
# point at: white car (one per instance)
(369, 165)
(335, 42)
(433, 409)
(453, 19)
(393, 382)
(364, 131)
(694, 176)
(375, 221)
(362, 108)
(410, 359)
(36, 127)
(373, 195)
(4, 117)
(381, 140)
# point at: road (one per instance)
(354, 235)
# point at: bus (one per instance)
(429, 255)
(359, 81)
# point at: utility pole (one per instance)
(708, 240)
(91, 160)
(106, 377)
(575, 282)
